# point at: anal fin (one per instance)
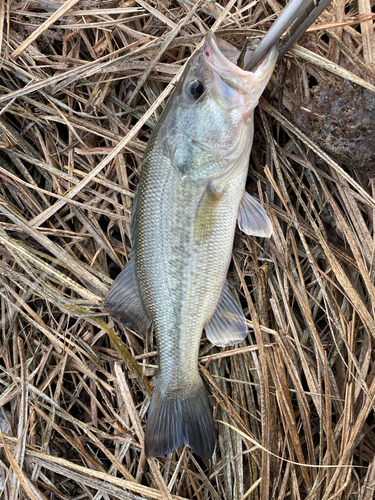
(253, 219)
(124, 301)
(228, 324)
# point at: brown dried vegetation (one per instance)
(81, 88)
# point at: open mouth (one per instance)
(222, 57)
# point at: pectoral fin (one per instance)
(253, 219)
(207, 212)
(228, 324)
(124, 301)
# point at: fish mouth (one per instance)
(221, 57)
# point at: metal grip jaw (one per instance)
(298, 15)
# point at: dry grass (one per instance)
(294, 404)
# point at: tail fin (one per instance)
(176, 419)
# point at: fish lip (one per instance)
(221, 64)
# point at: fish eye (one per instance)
(196, 89)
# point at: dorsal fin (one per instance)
(124, 302)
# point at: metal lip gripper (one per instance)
(298, 16)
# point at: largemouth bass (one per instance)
(190, 195)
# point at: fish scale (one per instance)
(167, 251)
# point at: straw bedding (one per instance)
(82, 84)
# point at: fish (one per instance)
(190, 194)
